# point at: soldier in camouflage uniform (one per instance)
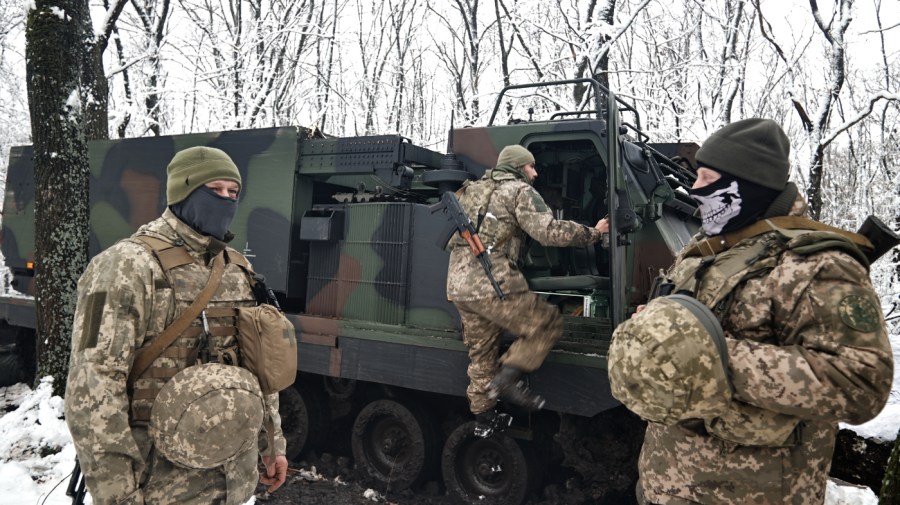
(507, 208)
(126, 299)
(806, 340)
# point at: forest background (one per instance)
(828, 73)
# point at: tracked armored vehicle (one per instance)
(342, 230)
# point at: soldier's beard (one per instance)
(206, 212)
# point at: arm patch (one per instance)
(93, 314)
(537, 201)
(859, 313)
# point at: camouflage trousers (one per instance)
(164, 483)
(536, 324)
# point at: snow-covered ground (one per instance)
(37, 455)
(36, 451)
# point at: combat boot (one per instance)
(507, 386)
(491, 422)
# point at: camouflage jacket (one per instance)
(806, 341)
(511, 209)
(125, 300)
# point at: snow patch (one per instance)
(843, 493)
(883, 428)
(73, 103)
(371, 494)
(36, 451)
(33, 426)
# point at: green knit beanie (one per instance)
(514, 156)
(754, 150)
(196, 166)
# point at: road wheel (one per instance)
(304, 419)
(395, 446)
(498, 470)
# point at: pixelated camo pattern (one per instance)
(664, 366)
(207, 415)
(512, 209)
(807, 342)
(125, 300)
(484, 322)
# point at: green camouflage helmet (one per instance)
(207, 415)
(670, 363)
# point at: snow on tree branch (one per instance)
(859, 116)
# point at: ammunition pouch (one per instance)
(268, 346)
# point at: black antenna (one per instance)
(450, 162)
(450, 135)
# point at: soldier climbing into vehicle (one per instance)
(507, 210)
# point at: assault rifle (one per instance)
(77, 486)
(460, 223)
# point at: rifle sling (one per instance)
(146, 355)
(719, 243)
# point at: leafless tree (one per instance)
(13, 102)
(817, 124)
(243, 52)
(462, 54)
(95, 86)
(58, 39)
(153, 16)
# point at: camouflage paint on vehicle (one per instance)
(342, 231)
(128, 189)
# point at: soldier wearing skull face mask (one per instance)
(806, 339)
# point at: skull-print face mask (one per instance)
(729, 203)
(719, 203)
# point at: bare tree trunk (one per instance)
(600, 70)
(584, 64)
(237, 66)
(468, 72)
(817, 124)
(153, 15)
(504, 49)
(122, 127)
(57, 41)
(729, 82)
(94, 84)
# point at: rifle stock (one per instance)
(77, 486)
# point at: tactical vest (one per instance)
(713, 269)
(184, 279)
(476, 200)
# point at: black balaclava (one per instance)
(730, 203)
(206, 212)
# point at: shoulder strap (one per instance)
(145, 356)
(232, 256)
(719, 243)
(168, 254)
